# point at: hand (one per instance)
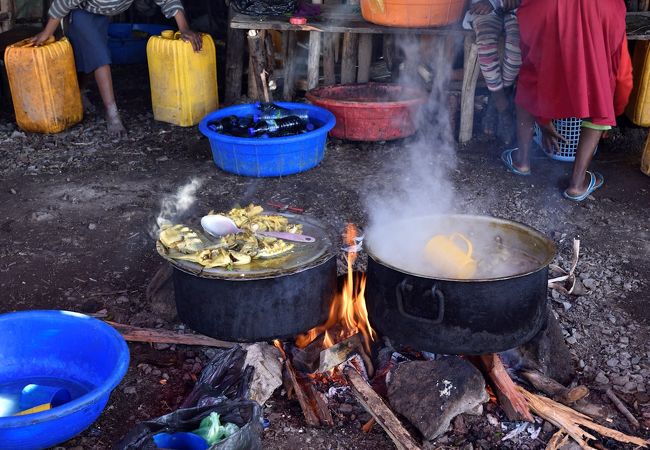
(193, 38)
(481, 8)
(509, 5)
(41, 38)
(550, 137)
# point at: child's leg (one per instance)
(105, 85)
(88, 34)
(488, 29)
(525, 122)
(589, 138)
(512, 56)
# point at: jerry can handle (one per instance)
(468, 243)
(26, 43)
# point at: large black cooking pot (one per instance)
(503, 308)
(267, 299)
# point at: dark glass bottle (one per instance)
(280, 127)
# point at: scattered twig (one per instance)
(368, 425)
(101, 294)
(571, 420)
(622, 408)
(136, 334)
(559, 282)
(557, 440)
(551, 387)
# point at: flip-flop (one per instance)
(506, 157)
(596, 181)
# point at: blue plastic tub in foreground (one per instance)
(269, 157)
(77, 352)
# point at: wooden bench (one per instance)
(357, 36)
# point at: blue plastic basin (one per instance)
(78, 352)
(125, 47)
(270, 157)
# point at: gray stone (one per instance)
(612, 362)
(620, 380)
(129, 390)
(602, 378)
(546, 352)
(431, 393)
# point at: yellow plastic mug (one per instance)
(448, 258)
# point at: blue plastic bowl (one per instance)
(127, 49)
(58, 346)
(271, 157)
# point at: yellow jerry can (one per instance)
(638, 108)
(183, 82)
(44, 86)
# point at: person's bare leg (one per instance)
(589, 139)
(525, 122)
(105, 85)
(84, 82)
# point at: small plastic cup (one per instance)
(34, 395)
(180, 441)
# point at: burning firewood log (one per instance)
(379, 411)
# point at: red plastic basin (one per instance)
(371, 111)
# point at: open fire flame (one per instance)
(348, 314)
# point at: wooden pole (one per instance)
(470, 77)
(645, 158)
(348, 64)
(365, 58)
(290, 67)
(160, 336)
(257, 64)
(313, 59)
(234, 62)
(329, 64)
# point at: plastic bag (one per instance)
(212, 431)
(221, 389)
(264, 7)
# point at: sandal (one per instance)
(506, 157)
(596, 181)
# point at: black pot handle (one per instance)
(401, 290)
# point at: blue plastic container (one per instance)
(180, 441)
(78, 353)
(270, 157)
(128, 47)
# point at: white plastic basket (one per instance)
(569, 128)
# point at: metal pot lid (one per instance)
(399, 244)
(301, 257)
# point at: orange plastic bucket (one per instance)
(412, 13)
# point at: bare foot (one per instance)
(114, 124)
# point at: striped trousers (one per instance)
(488, 29)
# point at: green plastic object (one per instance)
(212, 431)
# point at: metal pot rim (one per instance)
(551, 248)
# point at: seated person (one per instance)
(491, 19)
(575, 64)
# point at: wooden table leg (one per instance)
(290, 68)
(348, 65)
(365, 58)
(234, 64)
(329, 63)
(645, 158)
(470, 77)
(313, 60)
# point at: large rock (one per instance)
(546, 352)
(431, 393)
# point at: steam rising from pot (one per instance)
(417, 180)
(174, 205)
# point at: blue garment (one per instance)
(88, 34)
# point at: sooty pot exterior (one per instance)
(455, 317)
(256, 309)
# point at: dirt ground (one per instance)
(77, 210)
